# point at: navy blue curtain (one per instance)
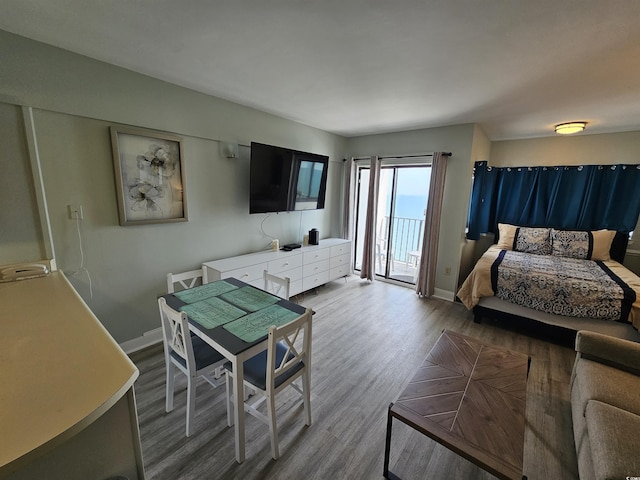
(586, 197)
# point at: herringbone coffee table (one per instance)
(469, 397)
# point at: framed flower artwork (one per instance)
(149, 174)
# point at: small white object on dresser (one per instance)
(308, 267)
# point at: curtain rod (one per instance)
(444, 154)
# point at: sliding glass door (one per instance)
(403, 192)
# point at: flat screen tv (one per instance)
(285, 180)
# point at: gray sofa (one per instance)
(605, 406)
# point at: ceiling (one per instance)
(355, 67)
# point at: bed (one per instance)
(556, 282)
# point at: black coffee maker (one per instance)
(314, 236)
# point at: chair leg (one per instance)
(306, 385)
(273, 429)
(229, 383)
(191, 402)
(170, 386)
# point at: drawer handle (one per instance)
(245, 275)
(286, 264)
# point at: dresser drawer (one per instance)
(247, 274)
(340, 260)
(342, 249)
(315, 268)
(293, 274)
(258, 283)
(283, 264)
(312, 281)
(316, 255)
(340, 271)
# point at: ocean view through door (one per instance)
(400, 215)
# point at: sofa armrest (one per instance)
(618, 353)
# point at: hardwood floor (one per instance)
(368, 340)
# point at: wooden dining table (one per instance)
(234, 317)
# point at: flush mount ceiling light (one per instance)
(571, 127)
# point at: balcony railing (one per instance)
(406, 237)
(406, 246)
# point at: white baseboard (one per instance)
(444, 294)
(152, 337)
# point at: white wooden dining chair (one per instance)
(185, 280)
(279, 286)
(287, 358)
(188, 354)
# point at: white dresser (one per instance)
(307, 267)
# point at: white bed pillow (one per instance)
(506, 234)
(602, 240)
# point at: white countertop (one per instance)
(60, 369)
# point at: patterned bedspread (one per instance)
(478, 284)
(561, 286)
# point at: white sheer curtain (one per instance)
(425, 282)
(368, 269)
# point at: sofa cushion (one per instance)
(614, 441)
(595, 381)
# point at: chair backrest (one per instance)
(296, 337)
(175, 329)
(279, 286)
(184, 279)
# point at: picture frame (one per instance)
(149, 175)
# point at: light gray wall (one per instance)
(583, 149)
(20, 234)
(75, 100)
(472, 250)
(459, 140)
